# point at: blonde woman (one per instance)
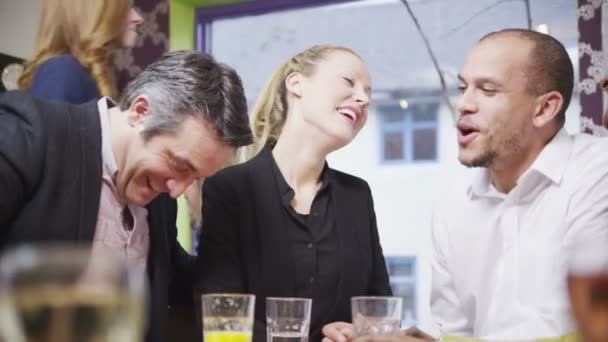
(284, 223)
(75, 42)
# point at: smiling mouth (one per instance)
(466, 135)
(466, 131)
(349, 114)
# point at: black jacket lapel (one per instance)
(90, 168)
(276, 262)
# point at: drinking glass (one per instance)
(228, 317)
(60, 293)
(376, 315)
(287, 319)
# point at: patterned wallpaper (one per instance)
(152, 42)
(593, 64)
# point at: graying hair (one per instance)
(184, 84)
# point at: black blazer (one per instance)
(50, 183)
(245, 248)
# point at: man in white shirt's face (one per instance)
(507, 110)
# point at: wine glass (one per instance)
(64, 293)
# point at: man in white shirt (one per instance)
(501, 244)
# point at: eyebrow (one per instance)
(183, 161)
(481, 80)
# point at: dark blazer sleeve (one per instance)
(21, 153)
(182, 322)
(182, 263)
(379, 282)
(220, 265)
(63, 79)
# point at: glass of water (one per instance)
(62, 293)
(287, 319)
(376, 316)
(228, 317)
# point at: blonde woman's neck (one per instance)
(300, 163)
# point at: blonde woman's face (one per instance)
(336, 96)
(134, 20)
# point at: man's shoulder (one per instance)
(589, 157)
(29, 107)
(21, 105)
(587, 145)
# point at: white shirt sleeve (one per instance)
(447, 310)
(588, 210)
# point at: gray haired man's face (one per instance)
(168, 162)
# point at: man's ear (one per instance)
(293, 83)
(548, 107)
(138, 110)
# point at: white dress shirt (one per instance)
(500, 260)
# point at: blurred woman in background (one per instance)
(74, 49)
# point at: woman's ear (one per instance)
(293, 83)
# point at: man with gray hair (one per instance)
(108, 174)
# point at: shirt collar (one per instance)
(550, 163)
(107, 154)
(553, 159)
(285, 191)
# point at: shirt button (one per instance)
(315, 214)
(311, 280)
(309, 245)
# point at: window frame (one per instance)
(205, 16)
(410, 280)
(407, 127)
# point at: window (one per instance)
(402, 273)
(409, 131)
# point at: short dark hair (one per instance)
(549, 66)
(182, 84)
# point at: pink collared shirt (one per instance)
(112, 237)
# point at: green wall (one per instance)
(181, 20)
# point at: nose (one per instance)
(362, 97)
(135, 17)
(466, 103)
(177, 187)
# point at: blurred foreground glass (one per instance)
(376, 315)
(287, 319)
(588, 290)
(58, 293)
(228, 317)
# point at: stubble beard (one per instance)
(491, 152)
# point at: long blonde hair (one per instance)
(270, 111)
(90, 30)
